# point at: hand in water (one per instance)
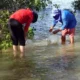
(51, 28)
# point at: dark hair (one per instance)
(35, 17)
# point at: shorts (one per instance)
(66, 31)
(17, 32)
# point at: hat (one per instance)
(55, 12)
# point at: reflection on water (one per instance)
(52, 62)
(56, 63)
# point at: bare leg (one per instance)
(22, 50)
(71, 39)
(63, 36)
(15, 48)
(63, 39)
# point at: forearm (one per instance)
(51, 28)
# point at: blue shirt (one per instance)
(67, 19)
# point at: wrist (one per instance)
(51, 27)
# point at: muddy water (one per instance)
(58, 62)
(51, 62)
(45, 58)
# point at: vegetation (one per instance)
(9, 6)
(30, 34)
(4, 33)
(76, 5)
(56, 5)
(16, 4)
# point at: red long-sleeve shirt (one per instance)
(24, 16)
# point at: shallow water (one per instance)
(45, 58)
(52, 62)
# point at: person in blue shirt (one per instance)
(68, 20)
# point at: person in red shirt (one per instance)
(18, 25)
